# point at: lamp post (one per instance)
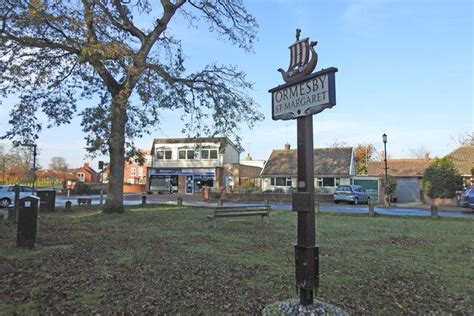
(384, 138)
(34, 161)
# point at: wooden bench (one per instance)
(84, 201)
(262, 210)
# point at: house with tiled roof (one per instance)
(463, 159)
(332, 167)
(408, 174)
(86, 174)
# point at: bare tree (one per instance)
(464, 139)
(420, 152)
(56, 52)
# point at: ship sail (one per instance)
(300, 54)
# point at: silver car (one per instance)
(351, 193)
(7, 194)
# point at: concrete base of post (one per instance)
(371, 209)
(293, 307)
(316, 208)
(179, 201)
(434, 211)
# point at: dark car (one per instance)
(467, 198)
(351, 193)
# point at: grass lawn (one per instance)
(165, 259)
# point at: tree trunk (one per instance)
(114, 202)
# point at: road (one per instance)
(135, 199)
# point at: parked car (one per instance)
(7, 194)
(467, 198)
(351, 193)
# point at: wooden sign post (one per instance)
(303, 95)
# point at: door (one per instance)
(189, 184)
(408, 190)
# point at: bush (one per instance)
(82, 188)
(441, 179)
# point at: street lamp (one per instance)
(384, 138)
(34, 161)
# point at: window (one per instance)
(163, 154)
(281, 182)
(328, 182)
(338, 181)
(182, 154)
(132, 172)
(140, 172)
(209, 154)
(190, 154)
(319, 182)
(80, 176)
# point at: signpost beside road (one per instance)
(303, 95)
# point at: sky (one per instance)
(405, 68)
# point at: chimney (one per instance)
(248, 157)
(86, 164)
(287, 146)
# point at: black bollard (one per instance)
(27, 222)
(179, 201)
(68, 206)
(143, 199)
(434, 211)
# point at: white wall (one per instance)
(174, 162)
(231, 155)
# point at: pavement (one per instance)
(406, 209)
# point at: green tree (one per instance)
(441, 179)
(122, 53)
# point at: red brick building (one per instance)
(86, 174)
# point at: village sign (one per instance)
(303, 95)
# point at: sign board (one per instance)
(309, 95)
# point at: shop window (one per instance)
(288, 182)
(338, 181)
(328, 182)
(182, 154)
(213, 154)
(272, 181)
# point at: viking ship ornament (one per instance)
(303, 59)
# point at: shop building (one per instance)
(188, 165)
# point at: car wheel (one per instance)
(337, 202)
(356, 201)
(4, 203)
(368, 200)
